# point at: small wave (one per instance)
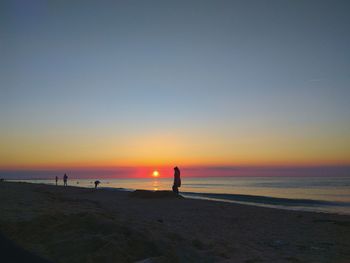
(267, 200)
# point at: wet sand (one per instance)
(84, 225)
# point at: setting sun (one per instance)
(155, 173)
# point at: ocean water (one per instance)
(320, 194)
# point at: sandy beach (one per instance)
(85, 225)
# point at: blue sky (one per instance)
(244, 74)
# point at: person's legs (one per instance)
(175, 189)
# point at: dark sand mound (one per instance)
(154, 194)
(11, 252)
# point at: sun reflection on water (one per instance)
(155, 185)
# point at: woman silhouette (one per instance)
(177, 180)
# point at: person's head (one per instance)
(176, 168)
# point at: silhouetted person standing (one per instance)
(97, 183)
(65, 179)
(56, 180)
(177, 180)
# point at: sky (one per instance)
(162, 83)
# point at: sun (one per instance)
(155, 173)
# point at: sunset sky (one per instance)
(162, 83)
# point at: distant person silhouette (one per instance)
(97, 182)
(56, 180)
(177, 180)
(65, 179)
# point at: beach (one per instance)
(72, 224)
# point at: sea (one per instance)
(317, 194)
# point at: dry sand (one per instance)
(85, 225)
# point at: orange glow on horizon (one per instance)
(91, 164)
(19, 153)
(236, 148)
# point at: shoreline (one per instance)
(284, 203)
(103, 225)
